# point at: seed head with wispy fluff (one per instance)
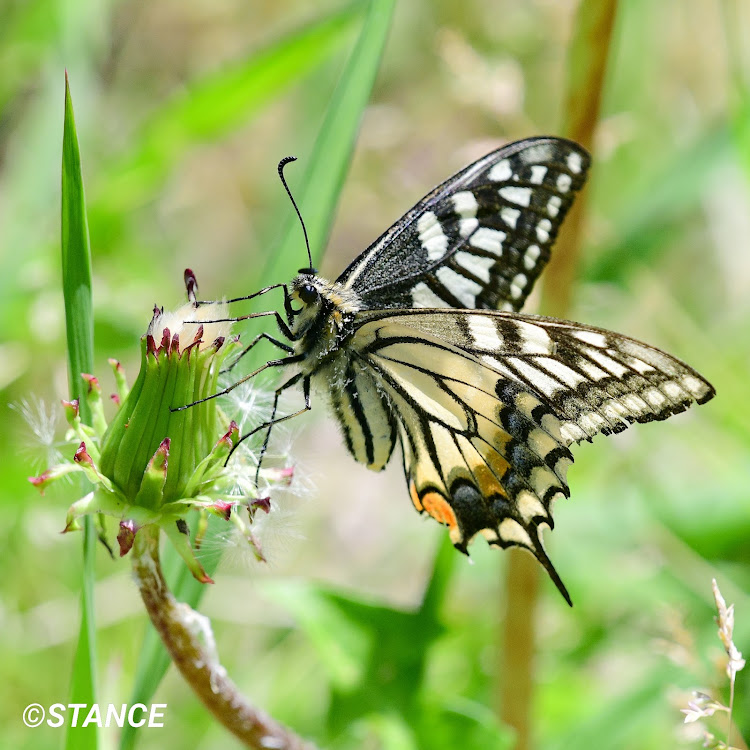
(155, 462)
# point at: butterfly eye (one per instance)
(308, 294)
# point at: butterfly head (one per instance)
(315, 298)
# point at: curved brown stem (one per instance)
(179, 628)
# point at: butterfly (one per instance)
(420, 343)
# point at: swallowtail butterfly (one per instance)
(419, 343)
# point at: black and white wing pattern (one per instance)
(486, 405)
(420, 343)
(478, 240)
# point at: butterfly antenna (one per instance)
(282, 164)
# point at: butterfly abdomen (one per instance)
(363, 411)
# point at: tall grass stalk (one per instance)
(76, 283)
(586, 67)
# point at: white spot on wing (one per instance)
(639, 365)
(575, 163)
(537, 153)
(484, 332)
(537, 174)
(543, 229)
(531, 256)
(475, 264)
(541, 381)
(465, 204)
(571, 433)
(591, 422)
(518, 195)
(542, 478)
(423, 296)
(591, 371)
(562, 372)
(540, 442)
(607, 363)
(518, 285)
(696, 387)
(512, 531)
(655, 398)
(673, 390)
(634, 404)
(488, 239)
(534, 339)
(564, 182)
(529, 505)
(591, 337)
(460, 287)
(553, 205)
(431, 236)
(467, 226)
(501, 171)
(510, 216)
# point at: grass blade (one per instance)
(329, 161)
(326, 169)
(76, 278)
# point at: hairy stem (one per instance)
(180, 629)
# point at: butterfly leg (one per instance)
(273, 421)
(306, 390)
(229, 389)
(280, 344)
(287, 299)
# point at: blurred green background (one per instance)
(180, 128)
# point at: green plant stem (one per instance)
(179, 628)
(79, 325)
(587, 63)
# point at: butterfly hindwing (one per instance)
(478, 240)
(486, 405)
(482, 454)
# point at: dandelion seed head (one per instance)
(249, 403)
(43, 419)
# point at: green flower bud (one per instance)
(180, 362)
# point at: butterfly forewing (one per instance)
(480, 239)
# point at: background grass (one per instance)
(179, 163)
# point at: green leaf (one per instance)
(343, 644)
(376, 657)
(76, 278)
(326, 168)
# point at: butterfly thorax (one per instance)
(323, 320)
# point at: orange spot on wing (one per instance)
(437, 506)
(487, 482)
(415, 496)
(496, 462)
